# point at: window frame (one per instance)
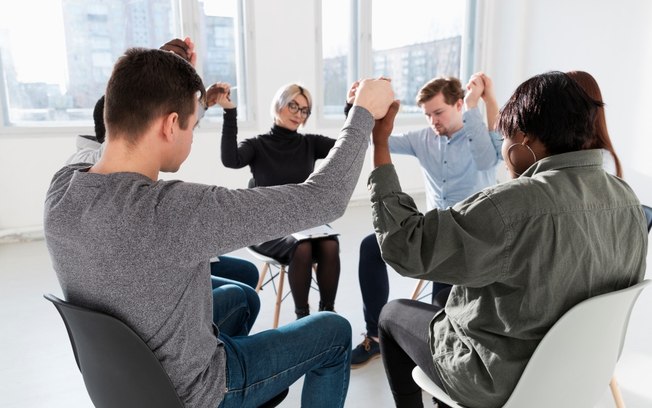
(362, 48)
(187, 24)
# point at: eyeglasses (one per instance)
(294, 108)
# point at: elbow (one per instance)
(229, 163)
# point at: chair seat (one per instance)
(575, 360)
(431, 388)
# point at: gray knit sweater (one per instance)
(139, 249)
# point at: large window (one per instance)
(56, 55)
(411, 42)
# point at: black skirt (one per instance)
(282, 249)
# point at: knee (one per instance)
(229, 293)
(252, 298)
(369, 246)
(250, 275)
(335, 325)
(391, 312)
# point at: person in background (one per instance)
(601, 139)
(458, 155)
(89, 148)
(516, 253)
(126, 243)
(283, 156)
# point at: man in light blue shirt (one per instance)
(458, 155)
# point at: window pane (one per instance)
(336, 39)
(414, 44)
(58, 72)
(221, 32)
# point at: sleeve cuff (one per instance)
(383, 180)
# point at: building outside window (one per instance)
(411, 42)
(57, 55)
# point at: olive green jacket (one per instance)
(519, 255)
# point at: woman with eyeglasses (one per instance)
(285, 156)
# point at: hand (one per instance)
(375, 95)
(475, 88)
(350, 96)
(220, 93)
(383, 127)
(488, 88)
(184, 48)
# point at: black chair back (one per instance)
(118, 368)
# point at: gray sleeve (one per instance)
(223, 220)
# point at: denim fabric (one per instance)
(235, 306)
(235, 269)
(262, 365)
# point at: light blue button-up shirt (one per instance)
(455, 167)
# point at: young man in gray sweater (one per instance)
(128, 244)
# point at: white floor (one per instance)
(37, 368)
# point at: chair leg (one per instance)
(417, 290)
(261, 278)
(279, 296)
(615, 390)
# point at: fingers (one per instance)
(393, 110)
(184, 48)
(220, 93)
(178, 47)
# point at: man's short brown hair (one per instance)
(450, 87)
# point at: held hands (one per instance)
(488, 93)
(475, 88)
(383, 127)
(219, 93)
(184, 48)
(350, 96)
(380, 136)
(375, 95)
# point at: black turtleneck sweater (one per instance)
(281, 156)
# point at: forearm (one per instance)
(392, 212)
(491, 106)
(460, 245)
(229, 143)
(381, 155)
(481, 144)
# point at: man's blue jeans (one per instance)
(262, 365)
(235, 306)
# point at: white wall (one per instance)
(612, 40)
(520, 39)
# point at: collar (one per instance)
(580, 158)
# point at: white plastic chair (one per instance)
(269, 265)
(575, 359)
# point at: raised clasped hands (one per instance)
(383, 127)
(219, 93)
(475, 89)
(184, 48)
(375, 95)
